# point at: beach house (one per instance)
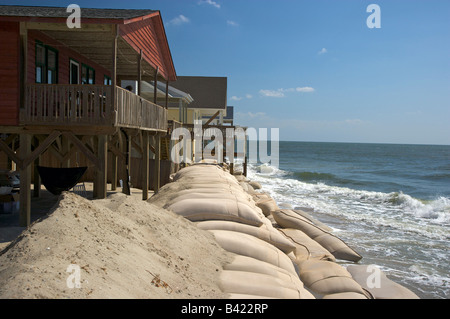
(61, 103)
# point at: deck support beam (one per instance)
(145, 164)
(25, 181)
(100, 182)
(157, 172)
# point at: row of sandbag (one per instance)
(214, 199)
(316, 251)
(242, 220)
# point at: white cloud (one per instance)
(281, 92)
(305, 89)
(323, 51)
(250, 115)
(210, 2)
(272, 93)
(232, 23)
(238, 98)
(181, 19)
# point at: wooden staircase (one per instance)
(165, 148)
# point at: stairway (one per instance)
(165, 148)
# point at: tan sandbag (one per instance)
(345, 295)
(249, 283)
(244, 296)
(240, 178)
(380, 287)
(258, 196)
(326, 278)
(211, 196)
(270, 236)
(250, 246)
(337, 247)
(267, 206)
(305, 247)
(255, 185)
(287, 218)
(313, 220)
(249, 264)
(224, 209)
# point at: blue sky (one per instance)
(313, 68)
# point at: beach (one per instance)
(128, 248)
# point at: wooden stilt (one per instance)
(114, 172)
(145, 164)
(100, 183)
(157, 177)
(37, 179)
(25, 181)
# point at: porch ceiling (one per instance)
(97, 45)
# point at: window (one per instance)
(46, 64)
(52, 66)
(74, 72)
(87, 75)
(107, 80)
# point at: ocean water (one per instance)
(391, 203)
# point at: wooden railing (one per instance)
(134, 111)
(59, 104)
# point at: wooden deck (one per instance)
(90, 105)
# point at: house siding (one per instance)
(9, 73)
(143, 35)
(64, 56)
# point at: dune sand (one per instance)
(124, 248)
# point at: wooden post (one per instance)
(139, 77)
(167, 95)
(100, 183)
(25, 181)
(157, 177)
(37, 179)
(155, 89)
(145, 164)
(113, 106)
(114, 172)
(245, 155)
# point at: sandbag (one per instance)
(245, 296)
(385, 288)
(255, 185)
(258, 196)
(224, 209)
(270, 236)
(313, 220)
(240, 178)
(345, 295)
(267, 206)
(326, 278)
(250, 246)
(305, 247)
(249, 264)
(210, 196)
(287, 218)
(247, 188)
(249, 283)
